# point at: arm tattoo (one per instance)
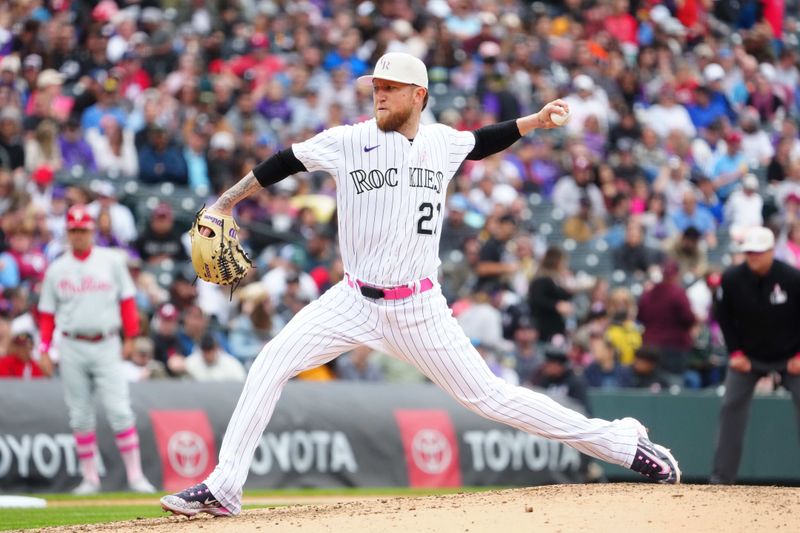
(238, 192)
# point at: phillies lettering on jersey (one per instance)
(390, 195)
(68, 287)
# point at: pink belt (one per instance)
(391, 293)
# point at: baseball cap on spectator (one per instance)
(556, 354)
(582, 82)
(151, 15)
(758, 239)
(105, 10)
(733, 137)
(692, 233)
(750, 181)
(713, 280)
(168, 312)
(138, 37)
(489, 50)
(59, 192)
(402, 28)
(704, 51)
(223, 140)
(48, 78)
(22, 326)
(208, 342)
(660, 14)
(365, 9)
(399, 67)
(511, 20)
(768, 71)
(10, 63)
(792, 197)
(713, 72)
(673, 26)
(487, 18)
(33, 61)
(43, 175)
(104, 188)
(79, 218)
(11, 113)
(162, 210)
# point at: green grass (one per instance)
(61, 516)
(149, 508)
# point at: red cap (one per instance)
(733, 137)
(168, 312)
(43, 175)
(79, 218)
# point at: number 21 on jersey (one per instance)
(424, 225)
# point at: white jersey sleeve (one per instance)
(47, 298)
(460, 144)
(321, 152)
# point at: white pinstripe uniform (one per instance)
(391, 196)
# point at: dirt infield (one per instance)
(560, 508)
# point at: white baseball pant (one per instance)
(95, 367)
(422, 331)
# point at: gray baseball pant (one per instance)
(739, 387)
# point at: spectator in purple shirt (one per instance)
(75, 151)
(275, 105)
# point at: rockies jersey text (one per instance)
(390, 195)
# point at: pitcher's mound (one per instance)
(596, 508)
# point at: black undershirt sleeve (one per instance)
(281, 165)
(494, 138)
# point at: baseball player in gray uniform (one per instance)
(87, 294)
(391, 174)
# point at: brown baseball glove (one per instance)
(218, 257)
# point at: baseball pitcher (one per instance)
(391, 174)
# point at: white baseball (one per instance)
(559, 119)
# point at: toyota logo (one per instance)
(431, 451)
(188, 453)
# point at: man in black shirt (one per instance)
(758, 309)
(492, 269)
(558, 379)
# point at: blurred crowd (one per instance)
(684, 133)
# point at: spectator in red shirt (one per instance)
(30, 260)
(18, 363)
(620, 23)
(667, 317)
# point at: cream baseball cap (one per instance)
(399, 67)
(758, 239)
